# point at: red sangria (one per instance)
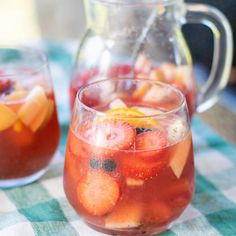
(29, 129)
(129, 161)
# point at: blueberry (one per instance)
(109, 165)
(94, 163)
(142, 130)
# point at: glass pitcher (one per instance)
(143, 39)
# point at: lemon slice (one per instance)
(7, 117)
(131, 116)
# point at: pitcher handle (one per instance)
(223, 51)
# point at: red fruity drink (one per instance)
(129, 161)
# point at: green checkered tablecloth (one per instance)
(42, 209)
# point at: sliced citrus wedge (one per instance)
(16, 95)
(157, 74)
(7, 117)
(141, 91)
(39, 119)
(33, 111)
(181, 154)
(131, 116)
(50, 110)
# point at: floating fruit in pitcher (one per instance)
(98, 193)
(142, 65)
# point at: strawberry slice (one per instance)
(151, 140)
(110, 134)
(98, 193)
(119, 70)
(150, 158)
(154, 143)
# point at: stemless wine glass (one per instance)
(29, 130)
(129, 160)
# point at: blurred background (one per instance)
(63, 21)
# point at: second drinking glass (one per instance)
(29, 129)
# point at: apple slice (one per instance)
(126, 215)
(7, 117)
(142, 64)
(134, 182)
(34, 110)
(180, 156)
(155, 94)
(117, 103)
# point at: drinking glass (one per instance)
(29, 130)
(129, 161)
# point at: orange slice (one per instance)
(50, 109)
(33, 111)
(7, 117)
(16, 95)
(149, 111)
(131, 116)
(141, 91)
(180, 156)
(157, 74)
(169, 71)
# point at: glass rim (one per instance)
(40, 55)
(182, 104)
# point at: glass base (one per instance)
(10, 183)
(131, 231)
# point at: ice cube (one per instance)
(176, 130)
